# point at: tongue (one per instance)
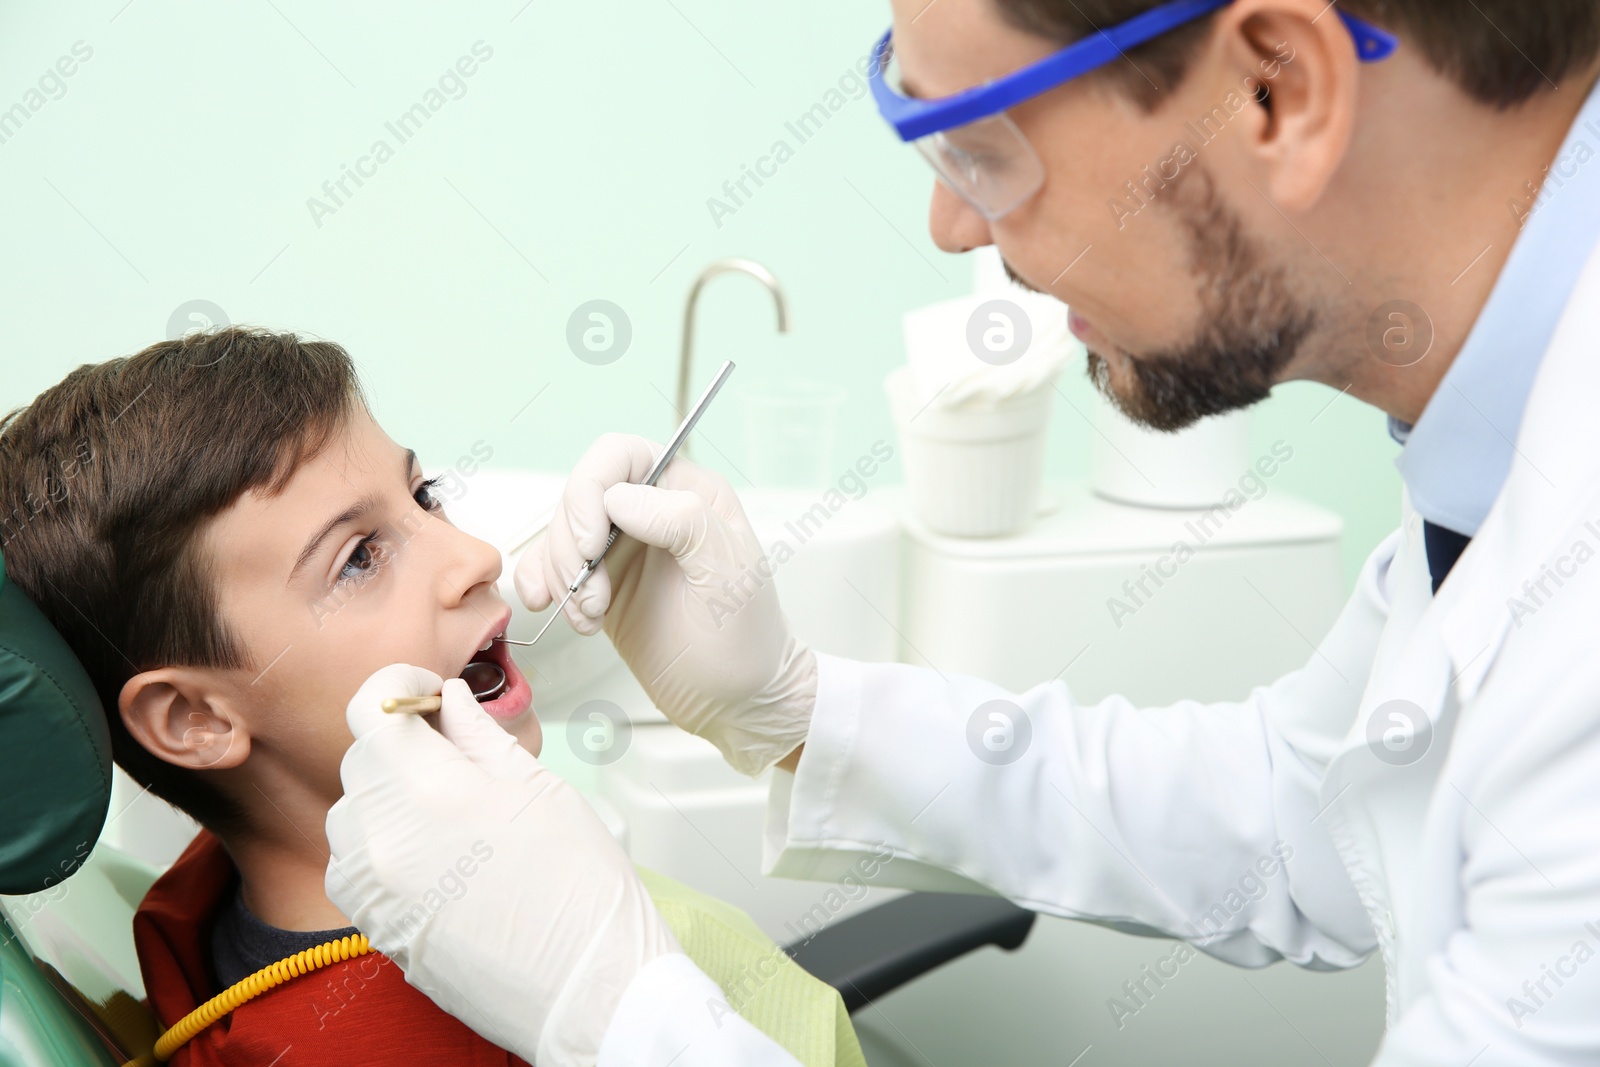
(486, 680)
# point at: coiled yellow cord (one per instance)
(247, 989)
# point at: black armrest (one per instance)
(878, 950)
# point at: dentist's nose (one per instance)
(954, 224)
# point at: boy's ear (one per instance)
(176, 715)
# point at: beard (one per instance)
(1253, 324)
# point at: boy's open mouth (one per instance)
(516, 696)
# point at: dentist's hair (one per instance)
(108, 479)
(1500, 52)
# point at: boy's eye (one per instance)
(364, 559)
(368, 554)
(425, 498)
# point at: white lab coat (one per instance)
(1475, 870)
(1269, 829)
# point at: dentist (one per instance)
(1395, 198)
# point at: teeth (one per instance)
(486, 645)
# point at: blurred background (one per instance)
(513, 164)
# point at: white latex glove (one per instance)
(488, 879)
(686, 596)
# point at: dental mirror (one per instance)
(486, 680)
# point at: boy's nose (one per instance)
(472, 562)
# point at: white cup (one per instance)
(1193, 468)
(974, 470)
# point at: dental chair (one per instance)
(54, 792)
(70, 987)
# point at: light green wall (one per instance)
(179, 162)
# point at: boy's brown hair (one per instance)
(108, 479)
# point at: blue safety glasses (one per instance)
(977, 150)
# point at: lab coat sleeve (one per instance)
(1196, 821)
(1517, 980)
(674, 1015)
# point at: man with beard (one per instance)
(1394, 198)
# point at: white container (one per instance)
(974, 470)
(1193, 468)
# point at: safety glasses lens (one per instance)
(988, 163)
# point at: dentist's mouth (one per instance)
(1081, 328)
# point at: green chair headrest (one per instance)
(55, 751)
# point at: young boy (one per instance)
(232, 545)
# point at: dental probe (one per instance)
(650, 478)
(488, 680)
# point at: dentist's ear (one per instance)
(1295, 137)
(176, 717)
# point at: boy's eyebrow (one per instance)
(349, 514)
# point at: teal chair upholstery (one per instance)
(55, 787)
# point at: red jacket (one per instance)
(360, 1011)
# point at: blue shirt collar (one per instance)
(1460, 451)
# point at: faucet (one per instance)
(721, 266)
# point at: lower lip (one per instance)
(1080, 327)
(518, 696)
